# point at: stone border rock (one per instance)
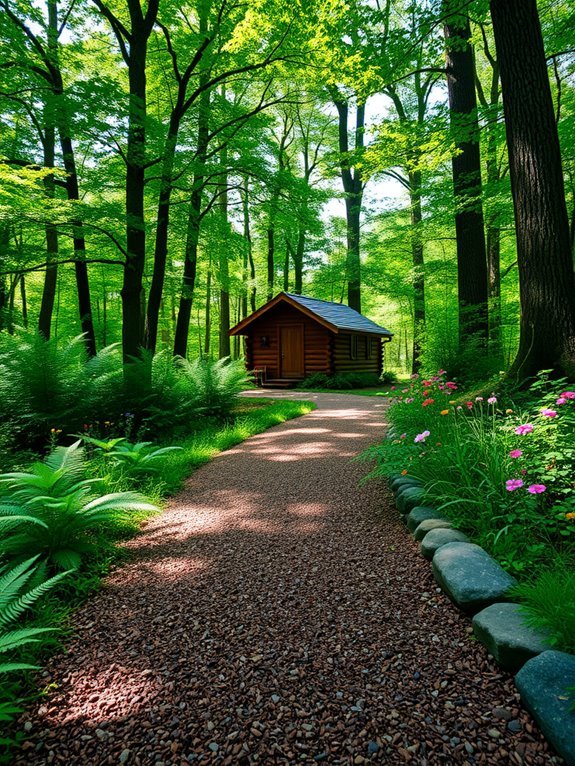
(478, 585)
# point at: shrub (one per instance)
(341, 381)
(548, 600)
(55, 512)
(213, 386)
(388, 377)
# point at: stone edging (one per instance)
(479, 586)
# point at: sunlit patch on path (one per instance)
(278, 613)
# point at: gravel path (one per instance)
(279, 614)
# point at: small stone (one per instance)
(469, 748)
(124, 755)
(28, 726)
(494, 733)
(214, 747)
(515, 726)
(426, 526)
(275, 698)
(372, 747)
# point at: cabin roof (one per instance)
(334, 316)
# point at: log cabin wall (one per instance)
(353, 352)
(317, 342)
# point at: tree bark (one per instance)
(466, 165)
(352, 181)
(224, 338)
(193, 232)
(51, 276)
(417, 260)
(546, 281)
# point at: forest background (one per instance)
(166, 169)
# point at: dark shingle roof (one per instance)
(339, 315)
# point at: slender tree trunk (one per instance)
(546, 281)
(248, 237)
(417, 258)
(208, 339)
(298, 260)
(466, 164)
(4, 242)
(51, 276)
(286, 266)
(271, 254)
(224, 266)
(24, 300)
(193, 232)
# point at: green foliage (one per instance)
(52, 510)
(21, 586)
(341, 381)
(215, 384)
(502, 476)
(548, 599)
(133, 460)
(388, 377)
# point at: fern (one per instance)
(54, 512)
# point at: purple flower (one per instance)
(422, 436)
(515, 453)
(409, 400)
(536, 489)
(547, 413)
(561, 400)
(526, 428)
(492, 400)
(512, 484)
(568, 394)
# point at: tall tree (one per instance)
(466, 166)
(546, 280)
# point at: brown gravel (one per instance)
(279, 614)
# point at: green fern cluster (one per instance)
(48, 385)
(21, 586)
(53, 511)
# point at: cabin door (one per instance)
(291, 351)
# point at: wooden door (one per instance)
(291, 351)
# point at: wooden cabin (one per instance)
(293, 336)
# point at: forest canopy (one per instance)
(167, 167)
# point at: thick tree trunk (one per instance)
(466, 164)
(417, 259)
(352, 181)
(546, 281)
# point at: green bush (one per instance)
(548, 600)
(53, 511)
(214, 385)
(341, 381)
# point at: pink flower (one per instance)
(403, 436)
(547, 413)
(404, 390)
(568, 394)
(512, 484)
(409, 400)
(422, 436)
(414, 376)
(459, 408)
(561, 400)
(442, 372)
(478, 398)
(526, 428)
(469, 405)
(392, 388)
(536, 489)
(515, 453)
(492, 400)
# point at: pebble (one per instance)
(124, 755)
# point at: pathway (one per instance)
(279, 614)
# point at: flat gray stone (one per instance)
(543, 682)
(421, 513)
(423, 529)
(470, 576)
(502, 630)
(439, 536)
(408, 499)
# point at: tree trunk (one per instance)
(207, 343)
(418, 268)
(271, 258)
(466, 165)
(546, 281)
(24, 300)
(224, 338)
(353, 187)
(193, 232)
(298, 260)
(286, 265)
(51, 276)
